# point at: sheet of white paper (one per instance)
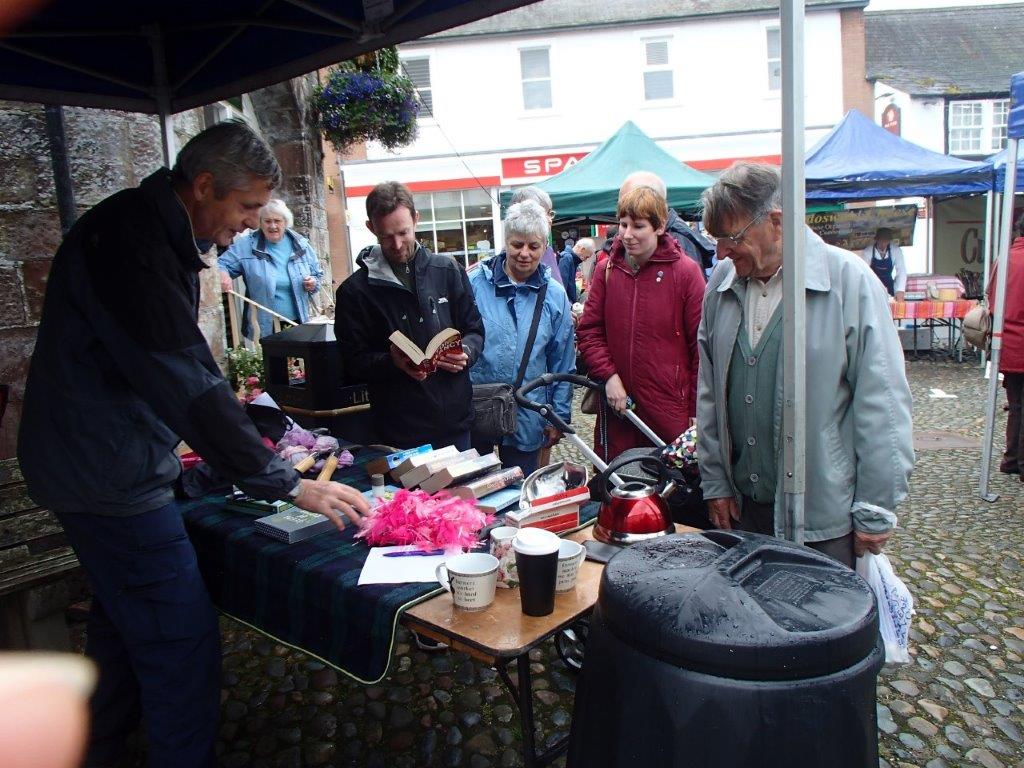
(397, 570)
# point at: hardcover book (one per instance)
(458, 473)
(416, 476)
(487, 484)
(242, 502)
(448, 340)
(294, 525)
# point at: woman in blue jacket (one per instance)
(278, 265)
(506, 290)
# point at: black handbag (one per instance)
(494, 405)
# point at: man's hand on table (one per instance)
(328, 498)
(723, 511)
(869, 542)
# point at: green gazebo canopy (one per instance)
(591, 187)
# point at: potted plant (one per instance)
(367, 99)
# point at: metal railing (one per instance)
(234, 321)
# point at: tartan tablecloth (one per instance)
(931, 310)
(305, 594)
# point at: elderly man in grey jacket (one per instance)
(859, 450)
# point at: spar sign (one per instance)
(538, 166)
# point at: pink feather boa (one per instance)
(441, 521)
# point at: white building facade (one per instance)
(508, 103)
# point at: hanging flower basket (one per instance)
(357, 104)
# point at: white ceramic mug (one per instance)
(570, 555)
(501, 548)
(470, 578)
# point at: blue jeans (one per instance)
(154, 635)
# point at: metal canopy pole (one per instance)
(794, 291)
(1015, 131)
(162, 93)
(987, 255)
(61, 168)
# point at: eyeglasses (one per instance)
(737, 239)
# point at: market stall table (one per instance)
(936, 314)
(305, 595)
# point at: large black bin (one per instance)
(728, 649)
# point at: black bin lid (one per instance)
(305, 335)
(739, 605)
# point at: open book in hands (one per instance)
(447, 341)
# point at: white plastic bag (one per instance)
(895, 605)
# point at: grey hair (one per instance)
(527, 218)
(644, 179)
(536, 194)
(276, 205)
(233, 153)
(743, 189)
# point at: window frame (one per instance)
(425, 113)
(986, 135)
(523, 80)
(649, 68)
(769, 60)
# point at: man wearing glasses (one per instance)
(859, 450)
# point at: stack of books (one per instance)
(384, 464)
(415, 470)
(294, 525)
(460, 472)
(558, 512)
(499, 501)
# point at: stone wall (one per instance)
(107, 151)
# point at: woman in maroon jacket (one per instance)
(638, 333)
(1011, 358)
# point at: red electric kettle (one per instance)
(635, 509)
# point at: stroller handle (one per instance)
(546, 409)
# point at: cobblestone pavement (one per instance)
(961, 701)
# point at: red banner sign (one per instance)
(539, 166)
(891, 119)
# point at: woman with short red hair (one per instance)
(638, 333)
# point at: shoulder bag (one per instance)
(978, 327)
(494, 405)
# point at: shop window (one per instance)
(418, 71)
(657, 71)
(459, 223)
(535, 66)
(774, 48)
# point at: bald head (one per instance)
(643, 179)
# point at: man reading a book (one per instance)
(419, 391)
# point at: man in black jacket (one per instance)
(120, 375)
(402, 286)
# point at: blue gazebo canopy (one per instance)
(859, 160)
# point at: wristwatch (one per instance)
(293, 494)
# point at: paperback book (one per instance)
(294, 525)
(448, 340)
(417, 475)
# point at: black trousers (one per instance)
(1013, 458)
(760, 518)
(154, 635)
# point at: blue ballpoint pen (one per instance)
(415, 553)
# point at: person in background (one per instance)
(693, 244)
(402, 286)
(638, 333)
(570, 261)
(507, 289)
(120, 375)
(886, 260)
(543, 199)
(279, 267)
(859, 443)
(1011, 357)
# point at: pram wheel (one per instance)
(571, 642)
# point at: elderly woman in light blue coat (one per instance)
(279, 267)
(506, 289)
